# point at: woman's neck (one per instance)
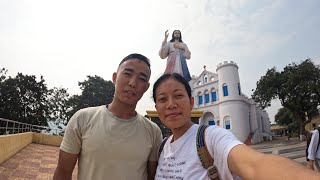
(178, 132)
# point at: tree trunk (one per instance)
(302, 132)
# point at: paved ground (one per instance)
(37, 162)
(293, 149)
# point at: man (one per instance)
(314, 150)
(113, 141)
(177, 52)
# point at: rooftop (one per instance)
(35, 161)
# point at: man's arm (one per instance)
(65, 166)
(250, 164)
(313, 146)
(151, 169)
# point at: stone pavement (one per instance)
(37, 162)
(293, 149)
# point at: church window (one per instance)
(225, 89)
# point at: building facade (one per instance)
(223, 104)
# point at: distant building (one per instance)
(223, 104)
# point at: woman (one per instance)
(179, 159)
(177, 52)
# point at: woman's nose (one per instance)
(171, 103)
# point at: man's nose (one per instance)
(133, 82)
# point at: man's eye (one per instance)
(179, 95)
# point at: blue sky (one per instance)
(66, 40)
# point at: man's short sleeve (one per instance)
(72, 139)
(157, 139)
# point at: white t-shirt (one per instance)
(179, 159)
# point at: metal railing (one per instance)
(14, 127)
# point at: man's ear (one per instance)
(191, 102)
(114, 77)
(147, 87)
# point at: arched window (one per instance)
(206, 96)
(205, 78)
(227, 122)
(239, 89)
(225, 89)
(200, 99)
(213, 95)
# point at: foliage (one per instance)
(297, 87)
(285, 117)
(23, 98)
(95, 92)
(57, 101)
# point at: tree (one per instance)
(23, 99)
(297, 87)
(57, 100)
(95, 92)
(285, 117)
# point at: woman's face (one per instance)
(173, 104)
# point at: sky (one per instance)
(66, 40)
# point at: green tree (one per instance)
(95, 92)
(285, 117)
(297, 87)
(23, 99)
(57, 100)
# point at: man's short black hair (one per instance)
(136, 56)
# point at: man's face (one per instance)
(131, 81)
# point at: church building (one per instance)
(223, 104)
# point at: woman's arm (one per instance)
(251, 164)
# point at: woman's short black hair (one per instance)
(174, 76)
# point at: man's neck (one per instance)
(122, 110)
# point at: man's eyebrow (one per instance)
(131, 70)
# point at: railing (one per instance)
(13, 127)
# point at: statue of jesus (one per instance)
(177, 52)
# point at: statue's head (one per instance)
(176, 35)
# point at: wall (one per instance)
(12, 144)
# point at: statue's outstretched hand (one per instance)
(166, 34)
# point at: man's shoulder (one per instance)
(90, 110)
(148, 123)
(86, 113)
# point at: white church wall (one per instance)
(238, 113)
